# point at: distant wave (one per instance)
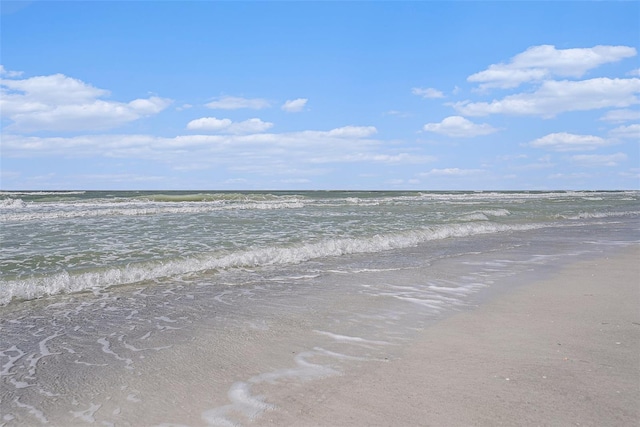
(40, 193)
(483, 215)
(98, 209)
(595, 215)
(212, 197)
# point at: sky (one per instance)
(200, 95)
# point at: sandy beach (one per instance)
(562, 351)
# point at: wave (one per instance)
(88, 209)
(69, 282)
(40, 193)
(483, 215)
(476, 216)
(12, 204)
(596, 215)
(212, 197)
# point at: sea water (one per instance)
(102, 292)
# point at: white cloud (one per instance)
(451, 172)
(401, 158)
(511, 157)
(295, 181)
(427, 92)
(209, 123)
(555, 97)
(61, 103)
(235, 102)
(457, 126)
(397, 113)
(542, 62)
(294, 105)
(542, 163)
(619, 116)
(563, 141)
(631, 173)
(570, 176)
(8, 73)
(609, 160)
(635, 72)
(353, 132)
(98, 115)
(254, 125)
(43, 93)
(626, 132)
(225, 147)
(121, 178)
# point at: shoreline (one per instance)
(564, 350)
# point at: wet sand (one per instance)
(560, 351)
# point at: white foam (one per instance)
(596, 215)
(496, 212)
(19, 384)
(38, 414)
(87, 414)
(477, 216)
(12, 204)
(40, 193)
(434, 305)
(350, 339)
(241, 401)
(12, 359)
(250, 406)
(44, 352)
(106, 348)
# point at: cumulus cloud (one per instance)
(36, 93)
(427, 92)
(545, 61)
(209, 123)
(563, 141)
(236, 102)
(61, 103)
(555, 97)
(254, 125)
(459, 127)
(294, 105)
(608, 160)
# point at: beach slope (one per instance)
(560, 351)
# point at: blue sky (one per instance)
(320, 95)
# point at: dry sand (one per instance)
(563, 351)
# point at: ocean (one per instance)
(115, 307)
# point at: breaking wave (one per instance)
(70, 281)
